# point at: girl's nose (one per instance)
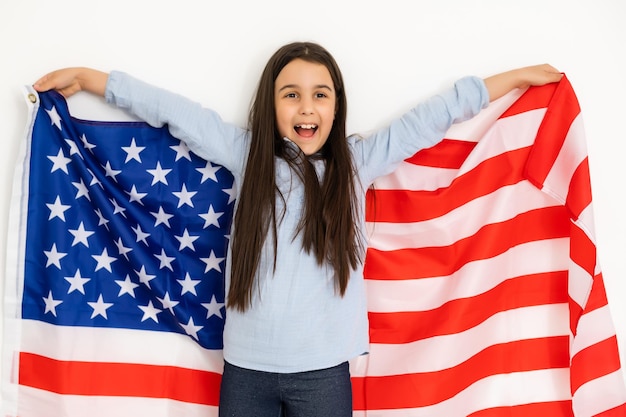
(306, 106)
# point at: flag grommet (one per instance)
(32, 97)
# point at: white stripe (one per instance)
(599, 395)
(569, 158)
(494, 391)
(593, 327)
(505, 135)
(416, 178)
(118, 345)
(443, 352)
(13, 271)
(498, 206)
(476, 127)
(472, 279)
(587, 223)
(579, 284)
(38, 403)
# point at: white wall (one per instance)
(392, 53)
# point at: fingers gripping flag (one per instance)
(120, 289)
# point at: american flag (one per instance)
(484, 292)
(121, 287)
(485, 295)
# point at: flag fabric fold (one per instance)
(485, 294)
(484, 291)
(118, 278)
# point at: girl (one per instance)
(295, 294)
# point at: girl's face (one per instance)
(304, 97)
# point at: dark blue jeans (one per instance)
(322, 393)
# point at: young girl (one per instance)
(295, 294)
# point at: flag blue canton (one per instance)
(126, 228)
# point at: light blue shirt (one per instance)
(297, 322)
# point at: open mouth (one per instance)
(306, 130)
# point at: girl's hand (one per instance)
(69, 81)
(536, 75)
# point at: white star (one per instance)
(59, 162)
(150, 312)
(159, 174)
(73, 148)
(126, 287)
(231, 194)
(77, 282)
(104, 260)
(110, 172)
(212, 262)
(191, 329)
(144, 278)
(213, 308)
(82, 190)
(133, 151)
(94, 179)
(211, 218)
(55, 119)
(123, 250)
(100, 308)
(162, 217)
(166, 302)
(166, 261)
(188, 284)
(54, 257)
(101, 220)
(51, 304)
(81, 235)
(141, 235)
(186, 241)
(57, 209)
(117, 209)
(86, 144)
(208, 171)
(182, 151)
(184, 196)
(136, 196)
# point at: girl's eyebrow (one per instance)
(319, 86)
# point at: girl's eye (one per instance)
(320, 95)
(291, 95)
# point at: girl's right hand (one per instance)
(69, 81)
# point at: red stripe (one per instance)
(491, 240)
(597, 298)
(562, 111)
(551, 409)
(448, 153)
(579, 193)
(594, 362)
(462, 314)
(534, 98)
(489, 176)
(582, 250)
(424, 389)
(619, 411)
(119, 379)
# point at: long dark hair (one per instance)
(327, 225)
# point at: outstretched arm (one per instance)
(69, 81)
(500, 84)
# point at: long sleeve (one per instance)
(200, 128)
(421, 127)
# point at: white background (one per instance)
(392, 53)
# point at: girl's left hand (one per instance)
(535, 75)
